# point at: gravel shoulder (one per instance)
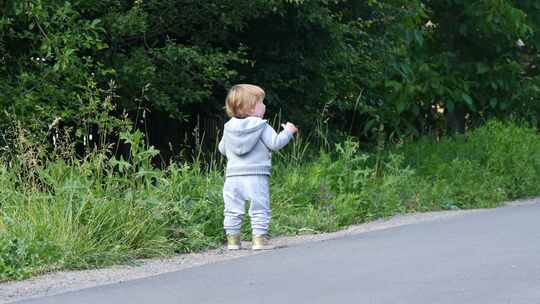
(61, 282)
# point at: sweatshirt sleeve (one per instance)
(273, 140)
(221, 146)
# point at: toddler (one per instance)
(247, 143)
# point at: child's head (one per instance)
(245, 100)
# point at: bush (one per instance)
(487, 165)
(70, 214)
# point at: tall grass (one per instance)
(66, 213)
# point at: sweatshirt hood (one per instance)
(241, 135)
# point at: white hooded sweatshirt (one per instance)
(247, 143)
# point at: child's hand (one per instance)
(290, 127)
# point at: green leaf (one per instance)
(401, 105)
(469, 101)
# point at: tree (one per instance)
(470, 58)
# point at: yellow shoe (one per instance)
(261, 242)
(233, 242)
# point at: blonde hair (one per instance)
(242, 98)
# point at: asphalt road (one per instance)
(488, 257)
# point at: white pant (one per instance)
(239, 189)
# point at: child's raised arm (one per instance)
(275, 141)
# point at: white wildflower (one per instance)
(430, 24)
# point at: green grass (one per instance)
(74, 214)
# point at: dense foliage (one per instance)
(98, 211)
(398, 67)
(87, 87)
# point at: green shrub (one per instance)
(70, 214)
(485, 166)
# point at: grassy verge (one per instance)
(99, 211)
